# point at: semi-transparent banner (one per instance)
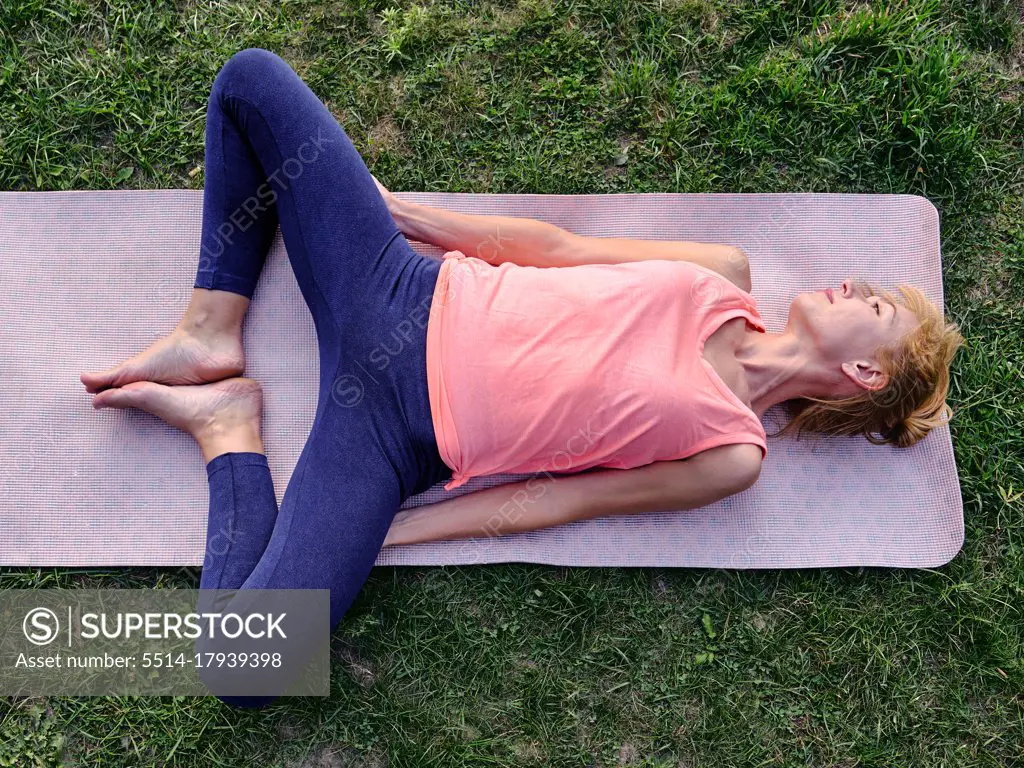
(165, 642)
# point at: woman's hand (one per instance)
(389, 198)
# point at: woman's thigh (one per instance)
(364, 283)
(336, 510)
(335, 224)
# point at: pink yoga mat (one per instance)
(93, 277)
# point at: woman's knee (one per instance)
(250, 68)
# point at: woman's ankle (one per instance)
(213, 312)
(239, 440)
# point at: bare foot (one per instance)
(223, 416)
(181, 357)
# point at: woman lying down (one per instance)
(541, 351)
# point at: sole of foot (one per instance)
(229, 410)
(179, 358)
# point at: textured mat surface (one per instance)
(93, 277)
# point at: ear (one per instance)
(865, 374)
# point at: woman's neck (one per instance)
(779, 367)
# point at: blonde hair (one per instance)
(912, 403)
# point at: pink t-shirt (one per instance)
(558, 369)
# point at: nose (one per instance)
(847, 289)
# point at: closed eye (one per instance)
(866, 292)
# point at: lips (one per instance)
(830, 296)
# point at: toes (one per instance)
(94, 381)
(170, 404)
(112, 377)
(109, 398)
(132, 395)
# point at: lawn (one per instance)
(525, 665)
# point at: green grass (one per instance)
(533, 665)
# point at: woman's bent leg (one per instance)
(276, 154)
(363, 284)
(362, 281)
(335, 514)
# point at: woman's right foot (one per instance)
(180, 358)
(223, 417)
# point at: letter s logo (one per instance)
(40, 626)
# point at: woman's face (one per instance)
(846, 323)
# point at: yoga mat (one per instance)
(91, 278)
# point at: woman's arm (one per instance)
(662, 486)
(529, 242)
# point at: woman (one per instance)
(645, 358)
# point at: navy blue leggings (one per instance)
(276, 156)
